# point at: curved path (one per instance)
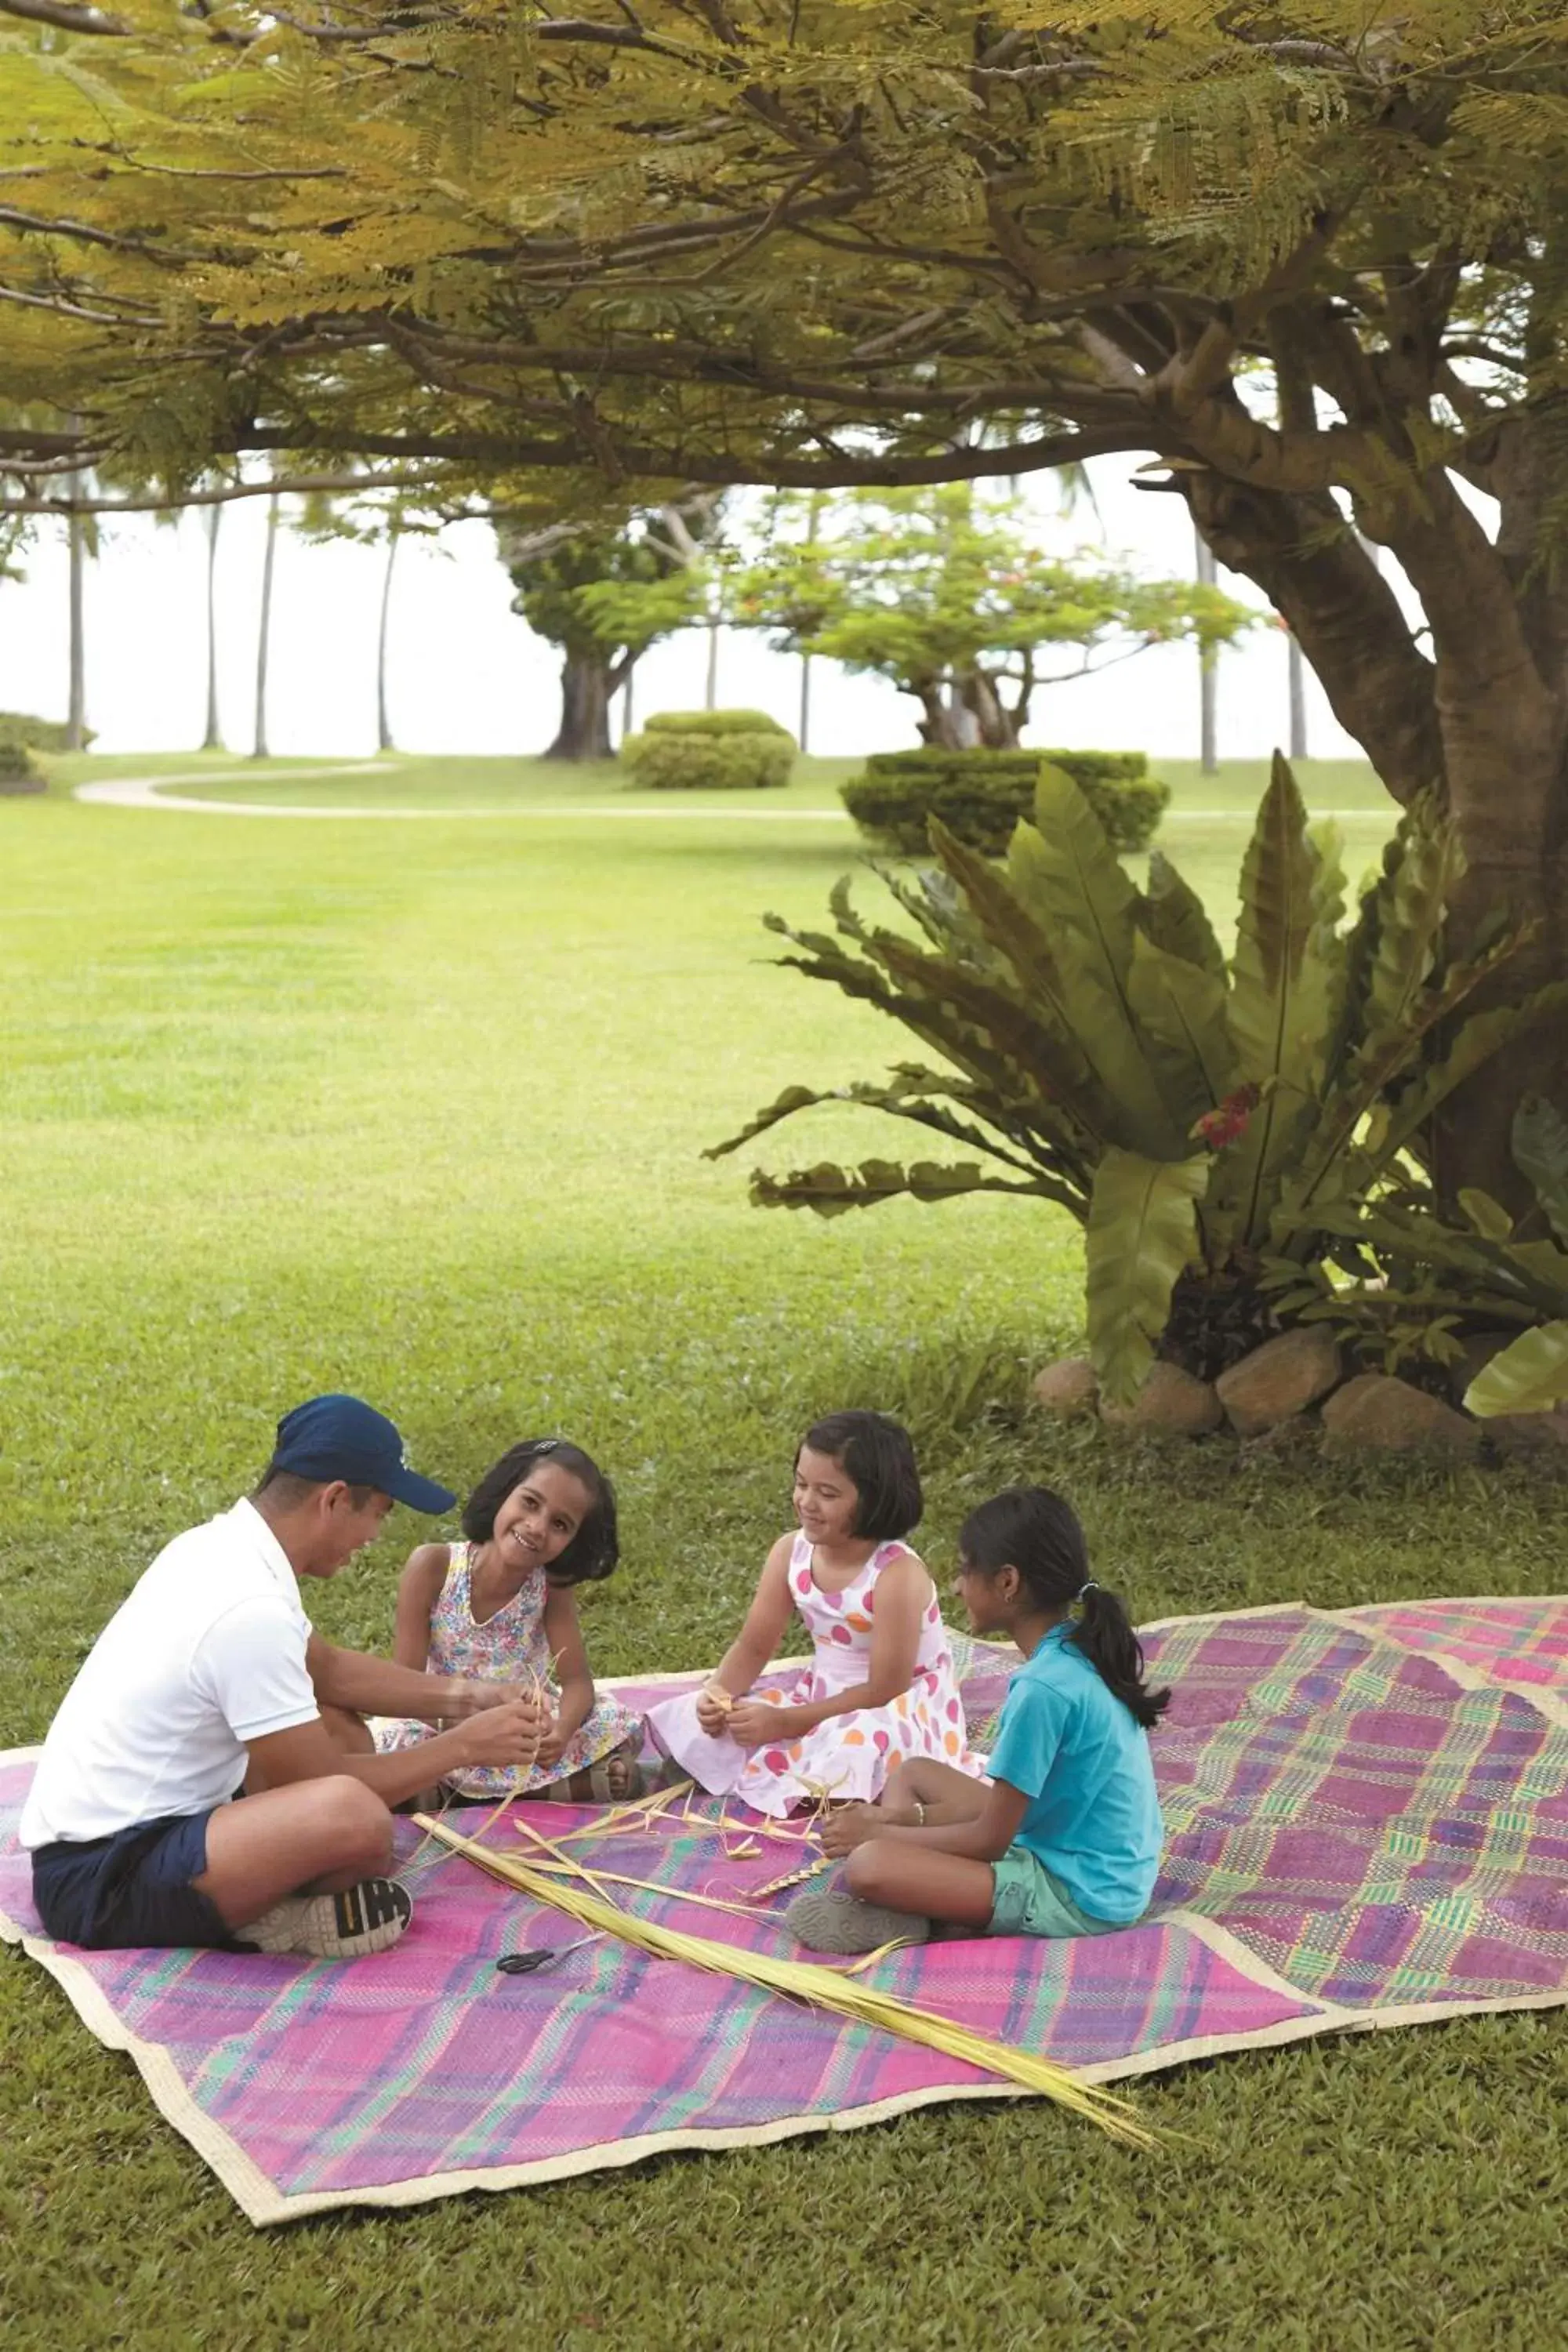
(153, 793)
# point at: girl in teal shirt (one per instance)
(1064, 1839)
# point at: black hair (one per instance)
(289, 1489)
(1035, 1531)
(877, 1457)
(595, 1547)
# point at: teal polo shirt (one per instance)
(1077, 1754)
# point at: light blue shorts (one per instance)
(1030, 1902)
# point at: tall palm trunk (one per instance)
(265, 630)
(384, 741)
(1298, 701)
(710, 690)
(804, 730)
(212, 739)
(75, 707)
(1208, 671)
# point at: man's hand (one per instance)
(753, 1722)
(461, 1700)
(504, 1734)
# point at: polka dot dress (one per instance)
(849, 1755)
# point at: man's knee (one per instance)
(356, 1821)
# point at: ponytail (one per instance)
(1104, 1634)
(1034, 1530)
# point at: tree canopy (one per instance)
(1302, 254)
(945, 592)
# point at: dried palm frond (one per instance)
(823, 1987)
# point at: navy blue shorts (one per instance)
(133, 1887)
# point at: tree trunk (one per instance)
(804, 728)
(264, 632)
(946, 725)
(211, 737)
(384, 741)
(710, 689)
(1483, 722)
(586, 689)
(1209, 670)
(1298, 679)
(995, 728)
(76, 708)
(628, 723)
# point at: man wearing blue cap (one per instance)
(209, 1674)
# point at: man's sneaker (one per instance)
(363, 1919)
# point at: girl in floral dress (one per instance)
(881, 1686)
(499, 1608)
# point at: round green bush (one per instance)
(18, 769)
(710, 751)
(981, 795)
(39, 734)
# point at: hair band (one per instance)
(1092, 1586)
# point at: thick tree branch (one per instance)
(283, 486)
(66, 18)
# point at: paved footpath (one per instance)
(154, 793)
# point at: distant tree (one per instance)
(603, 591)
(943, 591)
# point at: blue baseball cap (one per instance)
(342, 1438)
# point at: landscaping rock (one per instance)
(1377, 1414)
(1535, 1434)
(1170, 1403)
(1279, 1379)
(1067, 1387)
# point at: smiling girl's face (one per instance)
(541, 1516)
(826, 1503)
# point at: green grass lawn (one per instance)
(419, 1113)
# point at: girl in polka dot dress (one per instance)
(881, 1686)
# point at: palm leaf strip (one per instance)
(801, 1981)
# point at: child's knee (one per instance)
(866, 1869)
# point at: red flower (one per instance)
(1228, 1120)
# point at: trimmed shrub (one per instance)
(981, 795)
(38, 734)
(710, 751)
(18, 769)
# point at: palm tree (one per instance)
(384, 741)
(261, 752)
(76, 533)
(1208, 671)
(1298, 676)
(212, 738)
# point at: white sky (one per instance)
(467, 676)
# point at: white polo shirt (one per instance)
(206, 1654)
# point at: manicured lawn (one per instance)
(419, 1112)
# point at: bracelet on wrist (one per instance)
(920, 1812)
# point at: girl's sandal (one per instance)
(614, 1780)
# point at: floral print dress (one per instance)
(507, 1647)
(848, 1756)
